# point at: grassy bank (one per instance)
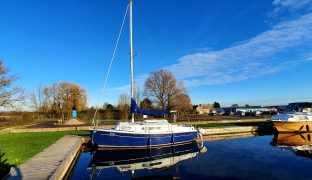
(20, 147)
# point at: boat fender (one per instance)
(200, 134)
(203, 150)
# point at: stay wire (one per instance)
(110, 66)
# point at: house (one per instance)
(202, 109)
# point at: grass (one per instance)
(261, 123)
(20, 147)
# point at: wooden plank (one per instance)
(51, 163)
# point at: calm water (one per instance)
(260, 157)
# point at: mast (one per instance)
(131, 55)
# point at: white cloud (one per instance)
(139, 81)
(251, 58)
(290, 6)
(247, 59)
(120, 89)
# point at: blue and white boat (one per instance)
(148, 133)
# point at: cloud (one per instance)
(292, 8)
(138, 81)
(255, 57)
(293, 5)
(252, 58)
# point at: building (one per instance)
(202, 109)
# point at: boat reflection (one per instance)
(300, 143)
(142, 159)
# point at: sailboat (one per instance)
(145, 134)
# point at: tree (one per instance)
(163, 88)
(110, 107)
(71, 96)
(183, 102)
(109, 111)
(216, 105)
(146, 104)
(60, 98)
(235, 105)
(123, 105)
(36, 99)
(9, 95)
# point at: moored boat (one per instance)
(296, 118)
(148, 133)
(293, 122)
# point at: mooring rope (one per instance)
(110, 66)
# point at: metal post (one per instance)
(131, 56)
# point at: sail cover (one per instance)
(136, 110)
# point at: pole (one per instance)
(131, 56)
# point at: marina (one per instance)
(129, 89)
(257, 157)
(59, 158)
(238, 148)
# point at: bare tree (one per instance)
(163, 88)
(9, 95)
(123, 105)
(50, 100)
(36, 99)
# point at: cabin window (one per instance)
(303, 118)
(125, 128)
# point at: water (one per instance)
(260, 157)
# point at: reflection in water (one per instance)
(238, 159)
(300, 143)
(142, 159)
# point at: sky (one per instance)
(256, 52)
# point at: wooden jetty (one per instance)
(52, 163)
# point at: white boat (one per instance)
(148, 133)
(293, 121)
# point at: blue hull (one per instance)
(132, 140)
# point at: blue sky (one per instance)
(256, 52)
